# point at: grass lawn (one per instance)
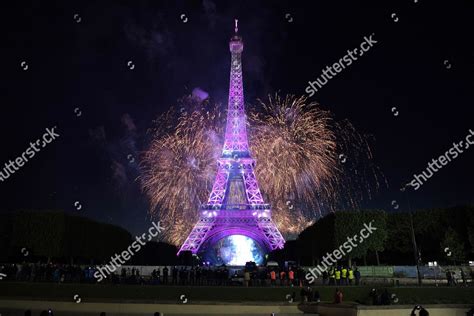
(167, 294)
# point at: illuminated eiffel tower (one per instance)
(235, 205)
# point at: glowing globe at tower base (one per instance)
(233, 250)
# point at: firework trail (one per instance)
(298, 149)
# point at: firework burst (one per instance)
(179, 165)
(294, 147)
(308, 164)
(296, 144)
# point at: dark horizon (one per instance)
(422, 65)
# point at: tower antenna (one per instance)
(236, 25)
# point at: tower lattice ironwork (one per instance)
(235, 205)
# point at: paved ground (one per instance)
(18, 307)
(149, 294)
(36, 313)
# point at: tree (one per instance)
(470, 229)
(453, 245)
(350, 224)
(398, 234)
(318, 239)
(331, 232)
(39, 233)
(46, 234)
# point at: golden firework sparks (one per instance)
(298, 149)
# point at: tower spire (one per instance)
(235, 142)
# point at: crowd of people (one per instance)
(173, 275)
(185, 275)
(42, 272)
(190, 276)
(341, 275)
(309, 295)
(222, 275)
(454, 278)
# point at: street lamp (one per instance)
(434, 266)
(413, 238)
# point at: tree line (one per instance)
(60, 237)
(444, 235)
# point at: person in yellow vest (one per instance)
(331, 276)
(351, 276)
(344, 276)
(338, 276)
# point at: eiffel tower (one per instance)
(235, 205)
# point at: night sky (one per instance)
(78, 52)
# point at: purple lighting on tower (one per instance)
(236, 130)
(235, 205)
